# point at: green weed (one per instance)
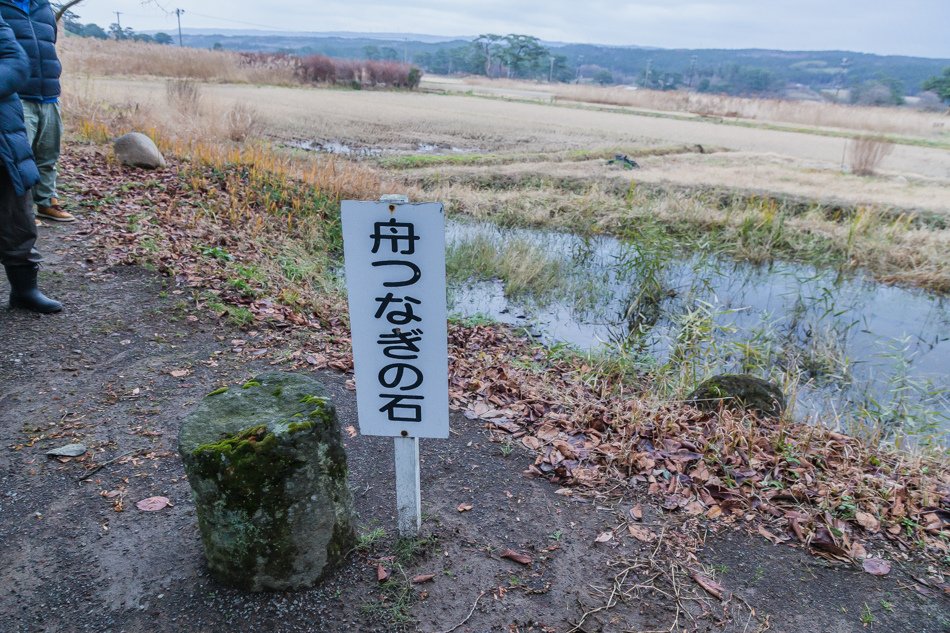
(368, 540)
(524, 268)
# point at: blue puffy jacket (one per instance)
(36, 33)
(15, 153)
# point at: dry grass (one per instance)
(184, 96)
(890, 246)
(778, 162)
(403, 120)
(772, 175)
(243, 122)
(205, 142)
(87, 56)
(889, 120)
(810, 113)
(866, 153)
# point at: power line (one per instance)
(178, 12)
(263, 26)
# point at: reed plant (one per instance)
(866, 153)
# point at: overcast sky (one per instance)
(901, 27)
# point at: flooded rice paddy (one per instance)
(848, 350)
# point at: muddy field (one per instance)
(405, 122)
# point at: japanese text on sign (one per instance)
(395, 272)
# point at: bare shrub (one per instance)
(865, 154)
(320, 69)
(184, 95)
(317, 69)
(348, 71)
(242, 122)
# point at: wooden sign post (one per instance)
(394, 256)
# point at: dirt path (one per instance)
(78, 556)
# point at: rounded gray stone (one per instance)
(138, 150)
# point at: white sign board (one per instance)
(395, 277)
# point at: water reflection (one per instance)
(846, 343)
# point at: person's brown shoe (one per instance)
(54, 212)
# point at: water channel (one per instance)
(850, 349)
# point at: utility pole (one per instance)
(178, 13)
(551, 71)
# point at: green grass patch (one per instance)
(524, 268)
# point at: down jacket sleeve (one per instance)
(14, 65)
(15, 153)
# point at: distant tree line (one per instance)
(72, 24)
(940, 85)
(859, 78)
(512, 56)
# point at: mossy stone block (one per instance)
(266, 463)
(739, 391)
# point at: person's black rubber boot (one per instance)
(24, 293)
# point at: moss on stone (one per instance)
(321, 411)
(249, 471)
(740, 391)
(265, 464)
(296, 427)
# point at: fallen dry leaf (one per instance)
(824, 542)
(694, 508)
(153, 504)
(531, 442)
(672, 502)
(604, 537)
(867, 521)
(772, 537)
(351, 431)
(714, 588)
(464, 507)
(641, 533)
(636, 512)
(381, 573)
(518, 557)
(421, 578)
(179, 373)
(876, 566)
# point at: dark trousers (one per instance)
(17, 226)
